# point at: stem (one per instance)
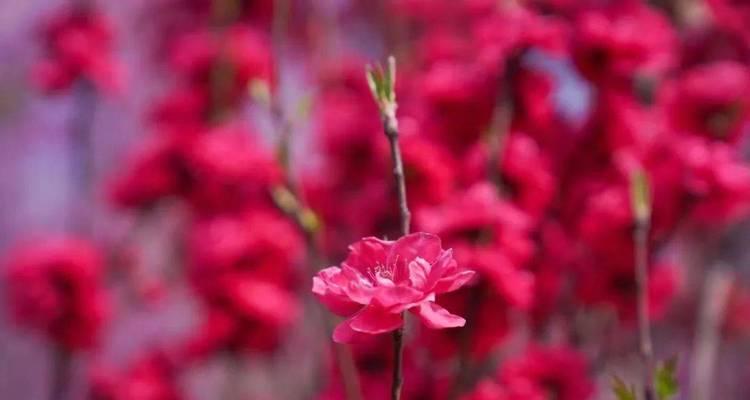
(708, 334)
(640, 237)
(60, 373)
(390, 125)
(232, 389)
(398, 353)
(81, 156)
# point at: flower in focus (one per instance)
(55, 287)
(380, 279)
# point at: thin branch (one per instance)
(287, 198)
(708, 333)
(499, 129)
(640, 236)
(382, 85)
(61, 370)
(82, 156)
(398, 354)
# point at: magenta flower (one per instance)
(380, 279)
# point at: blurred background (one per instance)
(174, 172)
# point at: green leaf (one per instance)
(640, 195)
(381, 83)
(665, 379)
(622, 390)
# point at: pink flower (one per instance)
(381, 279)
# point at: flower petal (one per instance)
(396, 298)
(374, 320)
(408, 248)
(367, 253)
(329, 287)
(343, 332)
(437, 317)
(453, 282)
(419, 270)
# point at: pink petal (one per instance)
(344, 333)
(374, 320)
(437, 317)
(419, 270)
(390, 297)
(409, 247)
(445, 264)
(329, 287)
(454, 282)
(367, 253)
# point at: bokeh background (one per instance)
(606, 96)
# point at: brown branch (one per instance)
(82, 156)
(708, 334)
(382, 84)
(61, 371)
(640, 237)
(390, 125)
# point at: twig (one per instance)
(382, 84)
(288, 200)
(641, 207)
(708, 334)
(640, 236)
(61, 364)
(232, 389)
(499, 129)
(308, 223)
(81, 155)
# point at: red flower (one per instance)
(611, 47)
(717, 180)
(244, 315)
(380, 279)
(55, 287)
(78, 45)
(712, 100)
(539, 374)
(230, 170)
(542, 373)
(244, 53)
(260, 245)
(153, 377)
(489, 235)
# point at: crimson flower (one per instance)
(380, 279)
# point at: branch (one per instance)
(61, 369)
(708, 334)
(82, 155)
(382, 85)
(641, 204)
